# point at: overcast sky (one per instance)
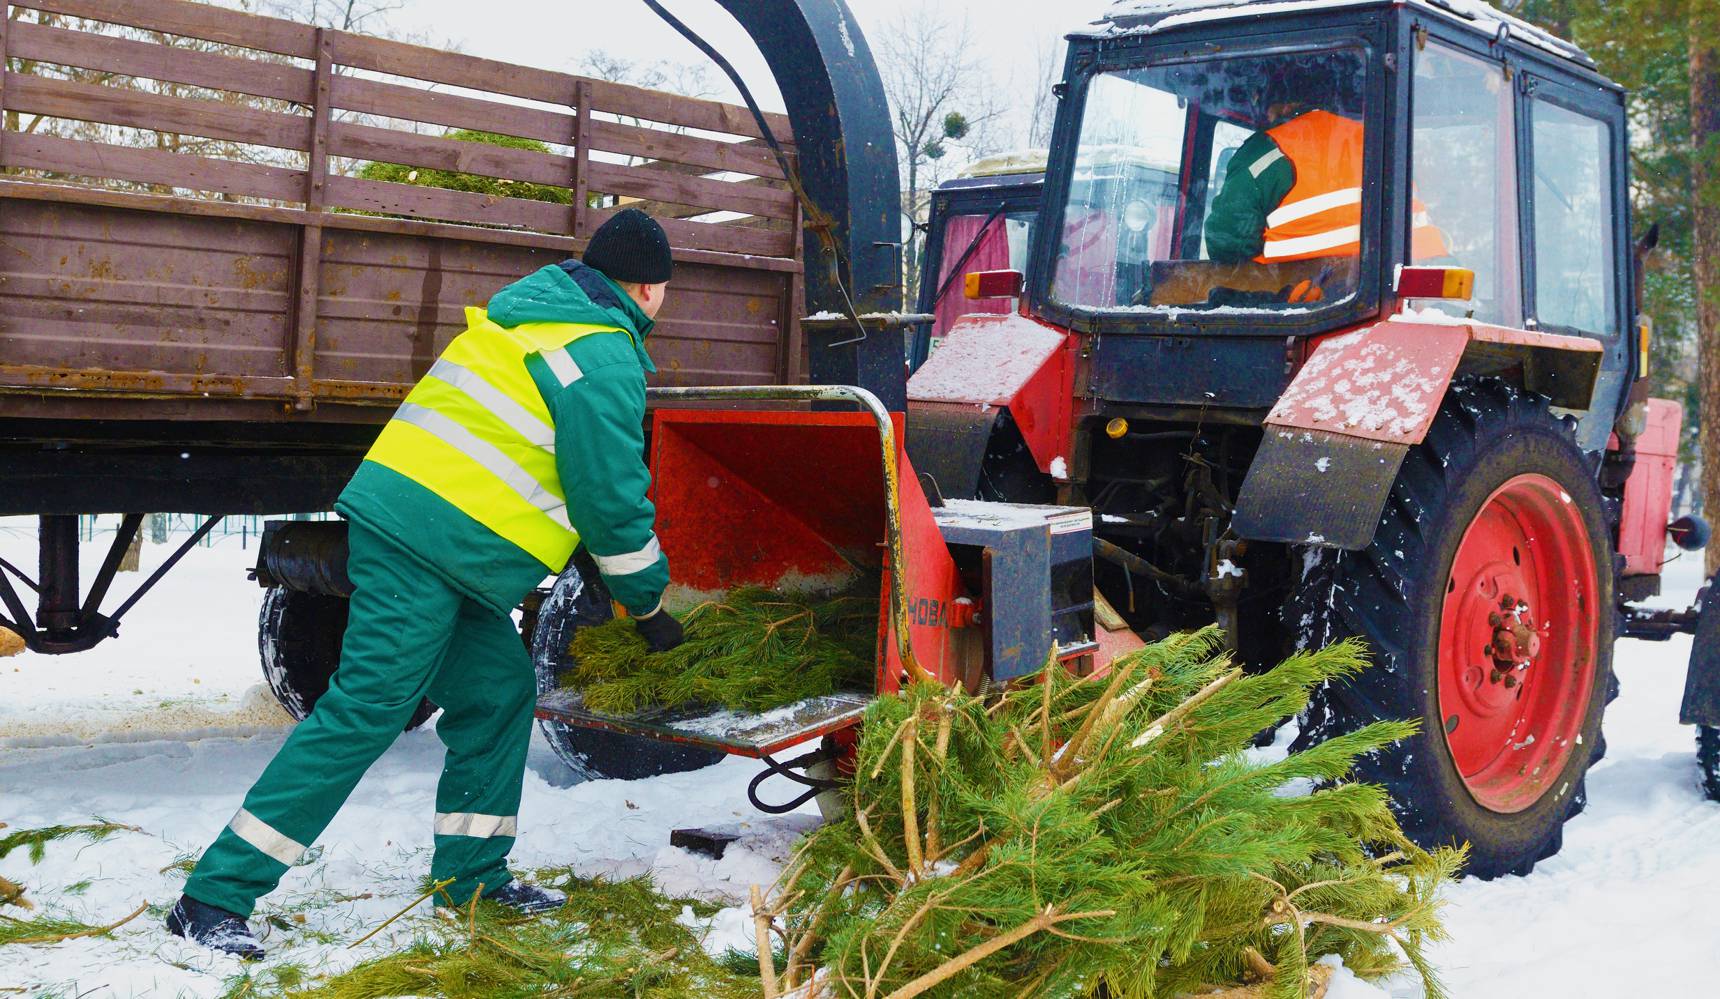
(553, 34)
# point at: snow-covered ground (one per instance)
(165, 728)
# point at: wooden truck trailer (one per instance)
(206, 308)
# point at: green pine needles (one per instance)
(1106, 836)
(613, 940)
(753, 650)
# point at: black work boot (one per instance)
(527, 899)
(214, 928)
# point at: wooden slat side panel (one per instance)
(751, 157)
(448, 206)
(386, 145)
(457, 69)
(193, 20)
(720, 327)
(279, 81)
(393, 100)
(719, 195)
(156, 112)
(672, 109)
(86, 287)
(390, 303)
(718, 237)
(152, 166)
(65, 193)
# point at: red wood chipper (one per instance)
(970, 592)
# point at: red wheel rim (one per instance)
(1517, 640)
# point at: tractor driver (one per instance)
(525, 439)
(1294, 191)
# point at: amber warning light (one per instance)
(1436, 282)
(992, 284)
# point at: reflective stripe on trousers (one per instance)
(476, 825)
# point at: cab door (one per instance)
(1576, 229)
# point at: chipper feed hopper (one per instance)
(969, 592)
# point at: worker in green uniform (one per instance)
(524, 440)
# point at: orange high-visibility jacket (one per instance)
(1322, 214)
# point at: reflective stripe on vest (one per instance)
(477, 432)
(1322, 214)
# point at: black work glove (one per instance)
(660, 630)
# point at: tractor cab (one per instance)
(1286, 162)
(980, 220)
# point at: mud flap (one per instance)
(1311, 487)
(1702, 684)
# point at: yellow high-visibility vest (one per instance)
(476, 432)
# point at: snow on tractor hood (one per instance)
(1148, 16)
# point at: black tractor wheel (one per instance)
(578, 600)
(298, 638)
(1487, 599)
(1708, 758)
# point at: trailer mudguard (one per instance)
(1338, 435)
(1702, 683)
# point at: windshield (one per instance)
(1226, 183)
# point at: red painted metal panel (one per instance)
(1648, 491)
(1007, 360)
(1384, 383)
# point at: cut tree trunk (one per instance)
(1705, 134)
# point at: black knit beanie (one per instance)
(631, 247)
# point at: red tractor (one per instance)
(1331, 330)
(1412, 410)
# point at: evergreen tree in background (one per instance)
(1668, 53)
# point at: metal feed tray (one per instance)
(738, 733)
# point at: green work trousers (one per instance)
(410, 635)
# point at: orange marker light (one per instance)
(1436, 282)
(992, 284)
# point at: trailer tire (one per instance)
(1497, 468)
(298, 640)
(578, 600)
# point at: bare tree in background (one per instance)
(1042, 100)
(939, 94)
(369, 16)
(685, 79)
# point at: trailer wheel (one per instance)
(578, 600)
(1487, 599)
(1708, 758)
(298, 638)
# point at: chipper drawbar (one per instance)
(969, 592)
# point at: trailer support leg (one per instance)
(57, 607)
(64, 624)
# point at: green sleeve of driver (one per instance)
(1255, 184)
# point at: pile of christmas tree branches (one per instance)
(1106, 836)
(612, 940)
(752, 650)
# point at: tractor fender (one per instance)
(987, 366)
(1337, 436)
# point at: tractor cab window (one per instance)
(1231, 183)
(1572, 209)
(1463, 201)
